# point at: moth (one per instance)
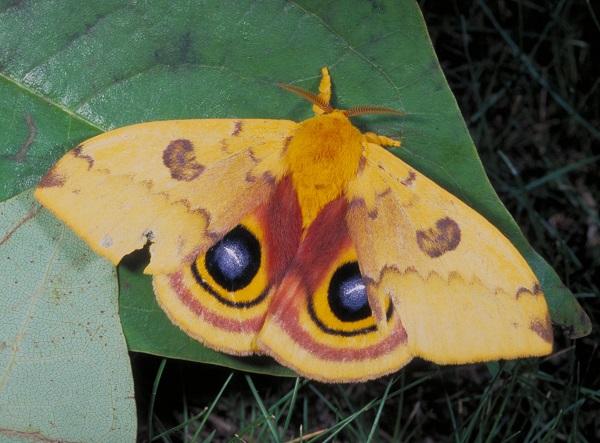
(309, 242)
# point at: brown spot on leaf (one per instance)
(543, 329)
(32, 213)
(237, 128)
(438, 240)
(20, 155)
(51, 179)
(180, 158)
(409, 180)
(77, 153)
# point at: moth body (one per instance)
(323, 156)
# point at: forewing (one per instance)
(180, 185)
(461, 289)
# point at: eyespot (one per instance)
(234, 261)
(339, 305)
(347, 294)
(232, 270)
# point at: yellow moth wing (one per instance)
(462, 290)
(179, 184)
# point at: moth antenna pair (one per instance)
(326, 107)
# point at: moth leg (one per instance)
(324, 90)
(381, 140)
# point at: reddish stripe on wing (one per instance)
(252, 325)
(288, 319)
(281, 220)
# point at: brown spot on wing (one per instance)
(286, 143)
(253, 156)
(269, 178)
(180, 158)
(535, 290)
(409, 180)
(237, 128)
(77, 153)
(384, 193)
(437, 240)
(543, 329)
(361, 164)
(358, 201)
(51, 179)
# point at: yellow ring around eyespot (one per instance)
(320, 302)
(339, 341)
(259, 282)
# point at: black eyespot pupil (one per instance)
(234, 260)
(347, 294)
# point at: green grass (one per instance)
(527, 79)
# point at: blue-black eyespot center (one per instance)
(234, 260)
(347, 294)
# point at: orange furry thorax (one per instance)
(322, 157)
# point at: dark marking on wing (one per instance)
(286, 143)
(543, 329)
(362, 162)
(535, 290)
(410, 179)
(51, 179)
(253, 156)
(180, 158)
(89, 159)
(437, 240)
(237, 128)
(384, 193)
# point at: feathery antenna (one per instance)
(361, 110)
(313, 98)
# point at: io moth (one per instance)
(308, 242)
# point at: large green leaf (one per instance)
(64, 366)
(113, 63)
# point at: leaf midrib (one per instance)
(50, 102)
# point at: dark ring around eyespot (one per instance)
(331, 331)
(220, 298)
